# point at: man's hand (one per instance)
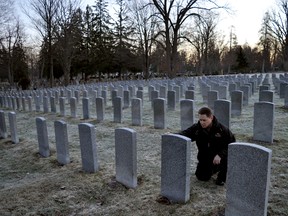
(217, 160)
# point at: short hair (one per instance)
(205, 111)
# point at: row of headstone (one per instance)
(170, 91)
(223, 109)
(246, 163)
(125, 149)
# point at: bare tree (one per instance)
(9, 35)
(203, 37)
(67, 34)
(173, 14)
(145, 30)
(43, 13)
(6, 11)
(12, 37)
(279, 30)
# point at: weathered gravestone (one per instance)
(177, 93)
(114, 94)
(248, 179)
(154, 95)
(175, 167)
(85, 108)
(62, 145)
(186, 113)
(159, 108)
(117, 109)
(104, 96)
(171, 100)
(42, 135)
(13, 127)
(163, 92)
(126, 156)
(45, 104)
(100, 108)
(37, 104)
(136, 111)
(88, 146)
(266, 95)
(190, 94)
(236, 103)
(245, 89)
(29, 103)
(286, 97)
(263, 87)
(73, 106)
(140, 94)
(23, 103)
(282, 87)
(53, 105)
(222, 90)
(263, 124)
(212, 97)
(62, 106)
(126, 98)
(222, 111)
(3, 128)
(204, 90)
(150, 89)
(18, 103)
(232, 87)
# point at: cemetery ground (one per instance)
(33, 185)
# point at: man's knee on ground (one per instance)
(202, 176)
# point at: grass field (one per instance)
(33, 185)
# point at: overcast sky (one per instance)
(247, 19)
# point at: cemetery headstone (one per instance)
(13, 127)
(248, 179)
(171, 100)
(236, 103)
(126, 156)
(3, 128)
(85, 108)
(186, 113)
(222, 110)
(136, 111)
(42, 135)
(117, 109)
(263, 124)
(100, 109)
(88, 146)
(159, 108)
(62, 145)
(266, 96)
(175, 167)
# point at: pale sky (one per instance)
(247, 19)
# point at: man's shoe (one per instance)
(219, 182)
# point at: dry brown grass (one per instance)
(33, 185)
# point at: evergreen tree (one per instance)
(241, 60)
(125, 54)
(102, 38)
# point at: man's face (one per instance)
(205, 121)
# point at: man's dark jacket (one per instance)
(210, 143)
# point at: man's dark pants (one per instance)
(205, 170)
